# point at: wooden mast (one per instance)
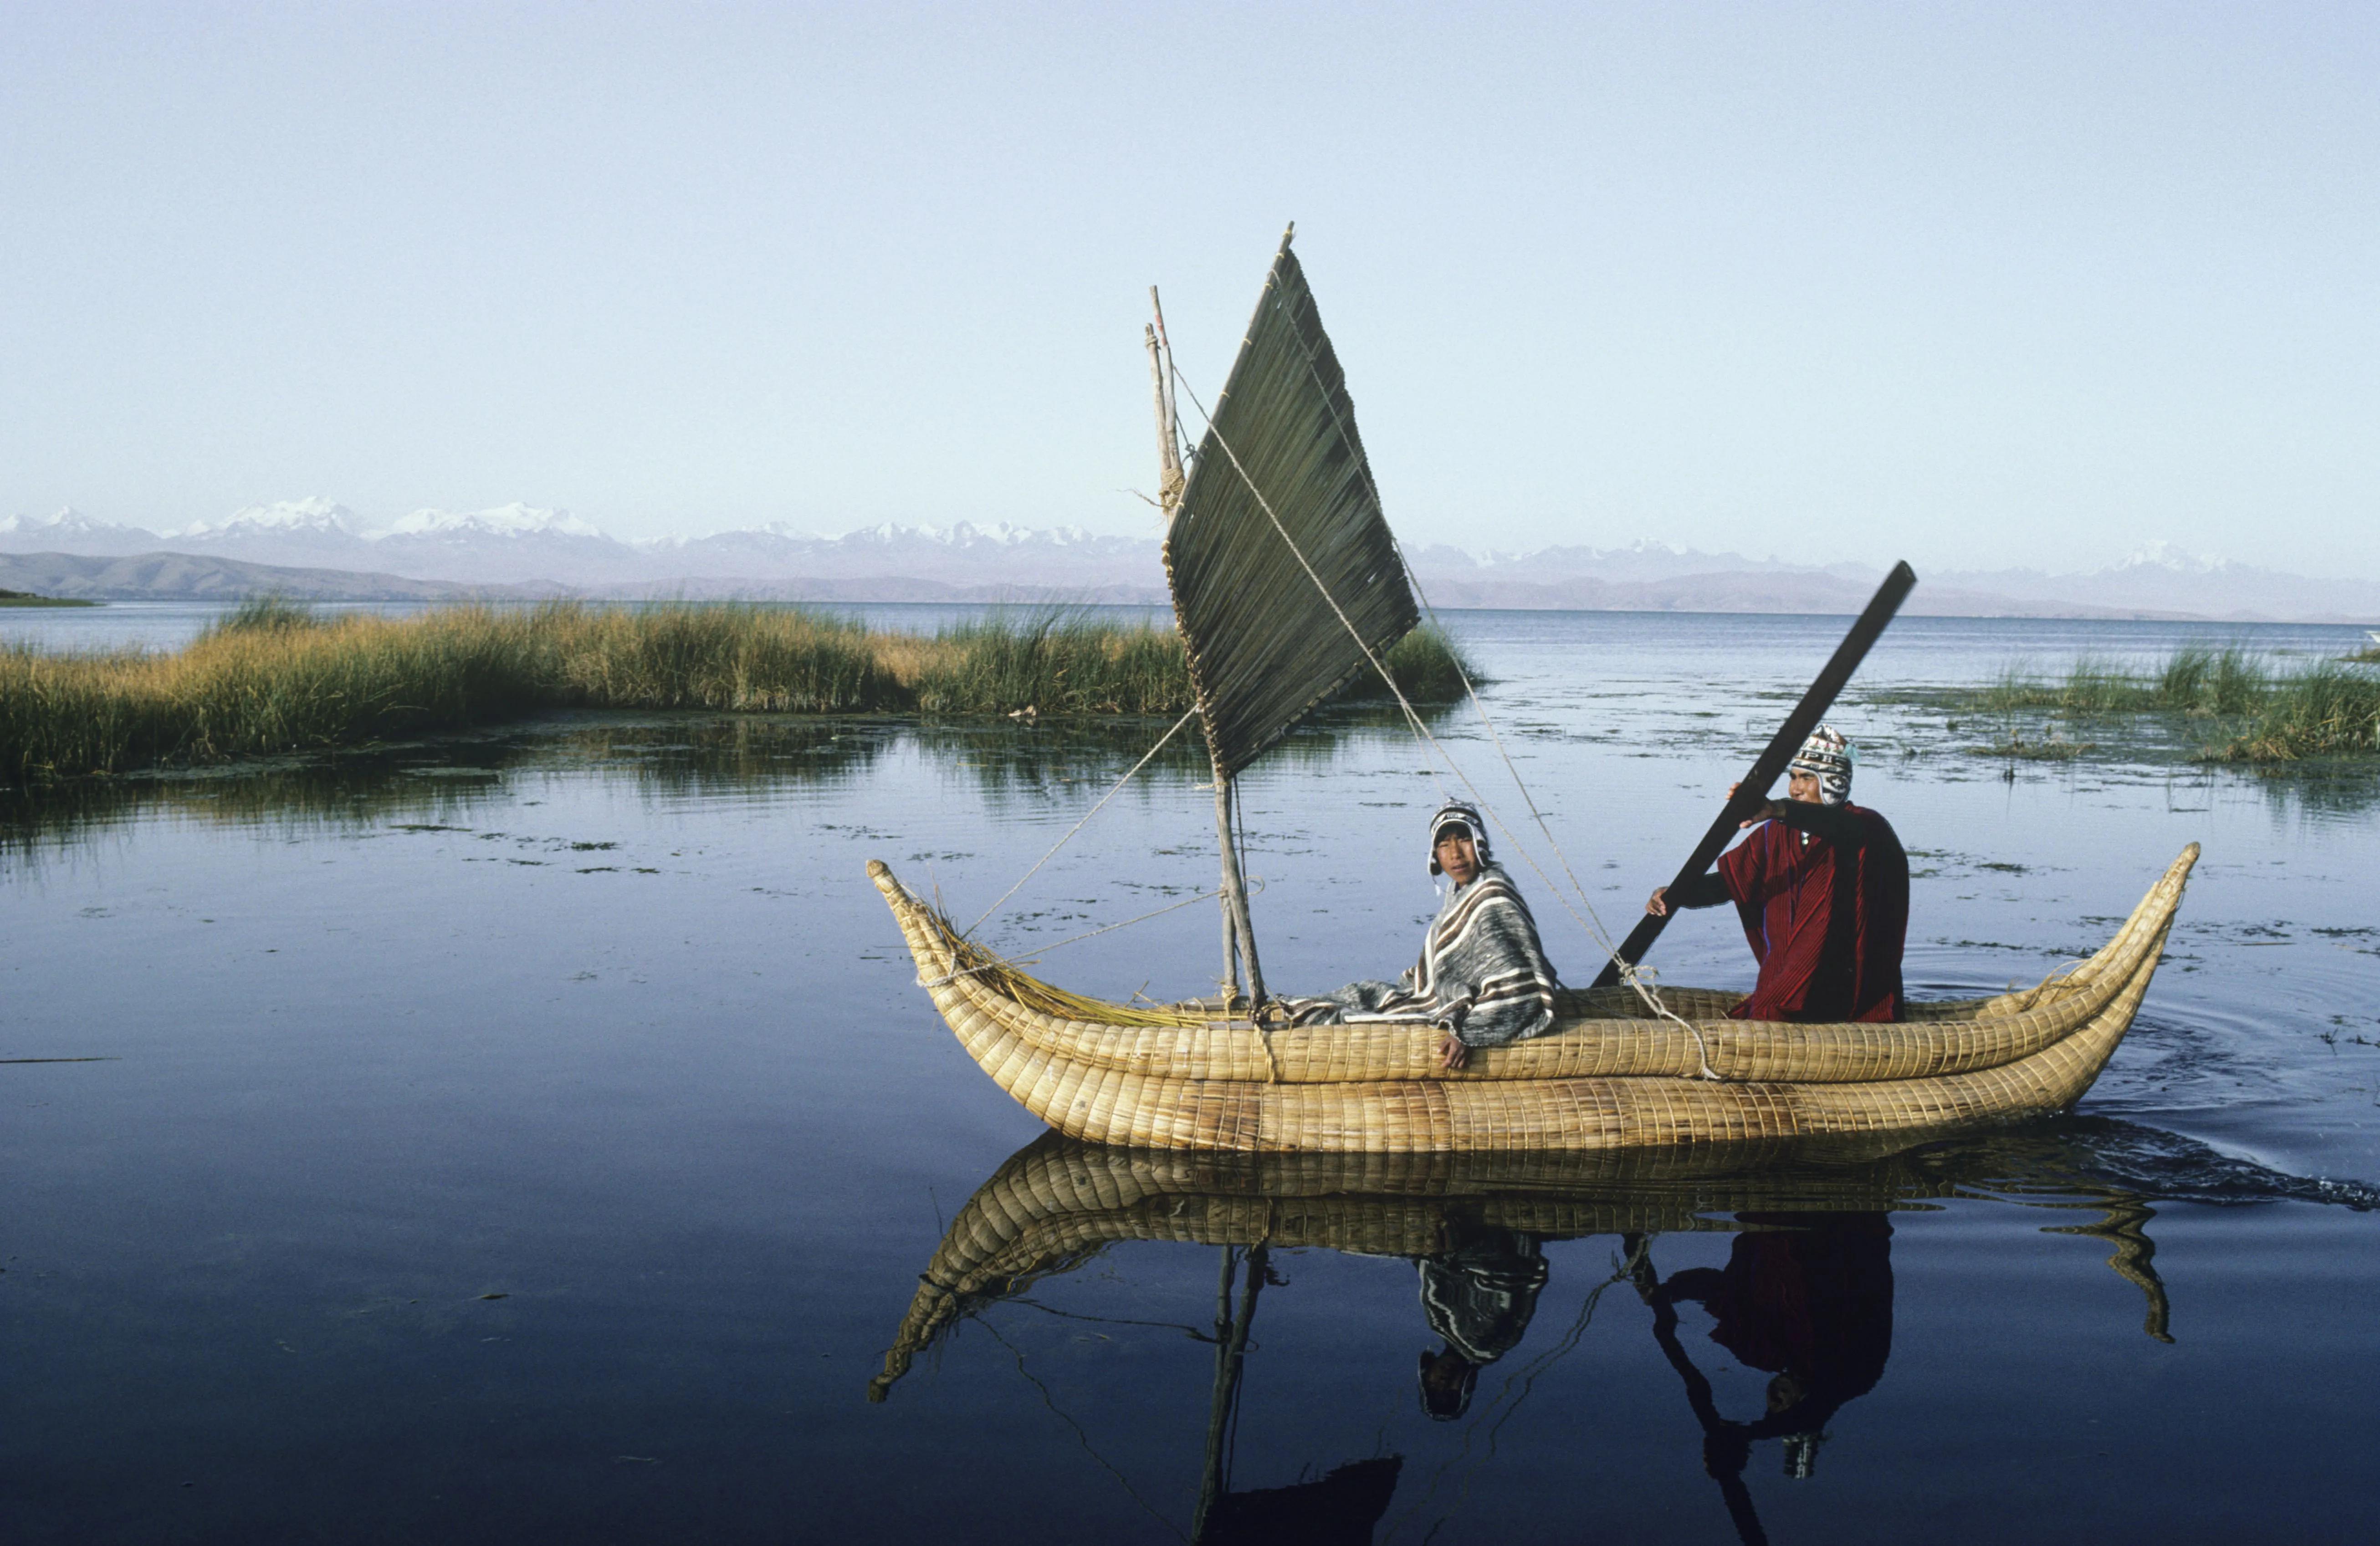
(1239, 939)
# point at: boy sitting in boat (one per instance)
(1823, 892)
(1483, 977)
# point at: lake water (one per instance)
(540, 1136)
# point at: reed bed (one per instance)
(30, 598)
(1426, 664)
(2259, 714)
(1061, 663)
(2325, 710)
(273, 677)
(2196, 678)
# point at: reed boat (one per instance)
(1288, 587)
(1612, 1076)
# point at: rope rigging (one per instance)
(1641, 981)
(1635, 977)
(1095, 810)
(1638, 978)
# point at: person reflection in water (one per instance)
(1805, 1296)
(1479, 1298)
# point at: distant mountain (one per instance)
(1062, 558)
(1807, 591)
(2161, 578)
(162, 577)
(520, 544)
(71, 531)
(543, 550)
(1639, 562)
(2158, 581)
(515, 544)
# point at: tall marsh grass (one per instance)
(2196, 678)
(1425, 664)
(263, 614)
(1049, 662)
(2326, 709)
(2263, 715)
(273, 677)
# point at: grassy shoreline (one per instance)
(273, 677)
(2245, 709)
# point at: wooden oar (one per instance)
(1755, 787)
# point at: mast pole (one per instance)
(1235, 898)
(1169, 433)
(1239, 939)
(1230, 979)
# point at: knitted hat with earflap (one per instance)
(1827, 758)
(1461, 818)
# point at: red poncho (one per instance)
(1827, 920)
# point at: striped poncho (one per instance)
(1482, 975)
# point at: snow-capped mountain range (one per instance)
(526, 549)
(521, 544)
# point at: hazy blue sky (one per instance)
(1979, 285)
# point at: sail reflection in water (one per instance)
(1805, 1295)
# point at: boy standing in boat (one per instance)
(1483, 976)
(1822, 888)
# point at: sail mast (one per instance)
(1169, 434)
(1239, 939)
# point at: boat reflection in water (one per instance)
(1807, 1293)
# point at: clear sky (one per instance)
(1979, 285)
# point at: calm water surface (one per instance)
(540, 1137)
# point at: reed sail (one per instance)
(1287, 585)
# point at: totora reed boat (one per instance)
(1287, 586)
(1613, 1076)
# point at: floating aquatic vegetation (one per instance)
(2020, 750)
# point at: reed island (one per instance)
(275, 677)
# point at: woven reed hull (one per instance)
(2065, 1032)
(1605, 1033)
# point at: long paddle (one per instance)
(1755, 787)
